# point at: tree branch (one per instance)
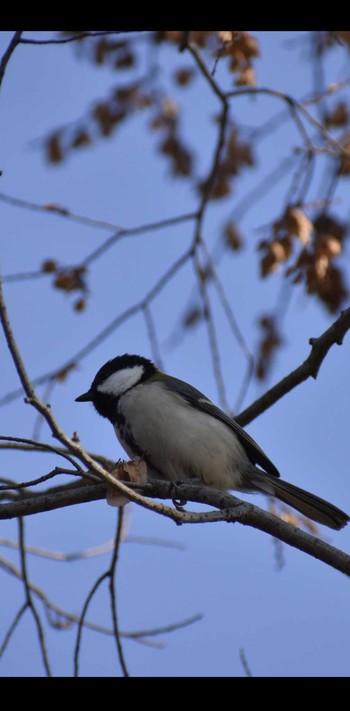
(229, 508)
(29, 600)
(72, 618)
(113, 591)
(65, 40)
(309, 368)
(7, 55)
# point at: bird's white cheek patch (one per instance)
(117, 383)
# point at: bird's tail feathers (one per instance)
(307, 504)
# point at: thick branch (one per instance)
(70, 495)
(228, 508)
(309, 368)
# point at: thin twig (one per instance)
(38, 480)
(245, 664)
(166, 628)
(152, 336)
(207, 74)
(233, 325)
(112, 590)
(59, 555)
(65, 40)
(42, 447)
(29, 600)
(25, 445)
(128, 232)
(213, 342)
(23, 276)
(108, 330)
(95, 587)
(295, 106)
(208, 185)
(102, 549)
(73, 446)
(12, 627)
(71, 618)
(8, 53)
(58, 210)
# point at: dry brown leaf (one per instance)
(54, 151)
(134, 471)
(80, 305)
(270, 342)
(49, 265)
(246, 77)
(232, 237)
(225, 36)
(338, 116)
(61, 375)
(52, 207)
(82, 138)
(297, 223)
(170, 108)
(184, 76)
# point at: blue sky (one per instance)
(291, 621)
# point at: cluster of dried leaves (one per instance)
(270, 341)
(241, 48)
(314, 247)
(237, 154)
(305, 247)
(317, 245)
(68, 279)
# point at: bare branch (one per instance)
(213, 342)
(233, 325)
(58, 210)
(110, 328)
(71, 618)
(102, 549)
(74, 38)
(12, 627)
(38, 503)
(38, 480)
(165, 628)
(127, 232)
(229, 508)
(245, 664)
(309, 368)
(42, 447)
(206, 73)
(82, 620)
(295, 107)
(27, 445)
(152, 336)
(9, 51)
(56, 430)
(29, 600)
(113, 592)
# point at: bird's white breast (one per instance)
(181, 441)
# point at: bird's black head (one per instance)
(114, 379)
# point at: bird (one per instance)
(181, 435)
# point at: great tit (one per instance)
(180, 434)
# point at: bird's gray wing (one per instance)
(197, 400)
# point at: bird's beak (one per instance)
(85, 397)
